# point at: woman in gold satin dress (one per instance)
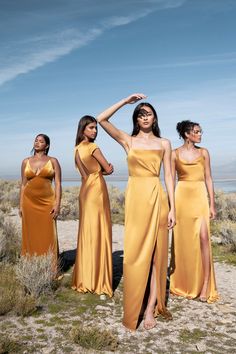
(147, 215)
(192, 270)
(39, 202)
(93, 265)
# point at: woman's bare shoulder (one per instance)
(165, 143)
(25, 160)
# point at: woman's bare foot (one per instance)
(149, 321)
(203, 294)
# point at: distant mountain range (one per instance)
(225, 171)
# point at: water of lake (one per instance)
(224, 185)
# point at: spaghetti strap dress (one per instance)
(146, 234)
(39, 234)
(192, 208)
(93, 266)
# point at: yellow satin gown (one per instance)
(39, 233)
(192, 208)
(93, 266)
(146, 234)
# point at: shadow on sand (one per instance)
(67, 260)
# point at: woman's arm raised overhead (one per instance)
(103, 119)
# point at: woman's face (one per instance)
(40, 143)
(145, 118)
(90, 131)
(195, 134)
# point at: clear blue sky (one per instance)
(61, 59)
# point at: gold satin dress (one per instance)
(93, 265)
(146, 234)
(192, 207)
(39, 233)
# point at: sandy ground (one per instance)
(217, 319)
(196, 327)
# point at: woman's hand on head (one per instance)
(134, 98)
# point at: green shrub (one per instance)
(94, 338)
(10, 345)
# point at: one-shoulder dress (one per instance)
(39, 234)
(93, 266)
(146, 234)
(192, 208)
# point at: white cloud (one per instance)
(23, 55)
(44, 52)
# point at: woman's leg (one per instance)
(149, 320)
(205, 250)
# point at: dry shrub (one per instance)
(226, 231)
(69, 204)
(10, 240)
(25, 305)
(94, 338)
(225, 206)
(37, 273)
(10, 345)
(9, 197)
(5, 207)
(12, 294)
(117, 204)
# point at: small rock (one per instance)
(201, 347)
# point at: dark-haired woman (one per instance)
(147, 215)
(39, 201)
(93, 266)
(191, 265)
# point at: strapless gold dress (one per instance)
(146, 234)
(93, 266)
(192, 208)
(38, 227)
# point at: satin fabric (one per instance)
(192, 209)
(93, 266)
(39, 233)
(146, 234)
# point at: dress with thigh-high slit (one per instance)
(192, 211)
(93, 265)
(39, 234)
(146, 234)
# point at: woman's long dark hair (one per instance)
(185, 127)
(47, 141)
(138, 109)
(84, 121)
